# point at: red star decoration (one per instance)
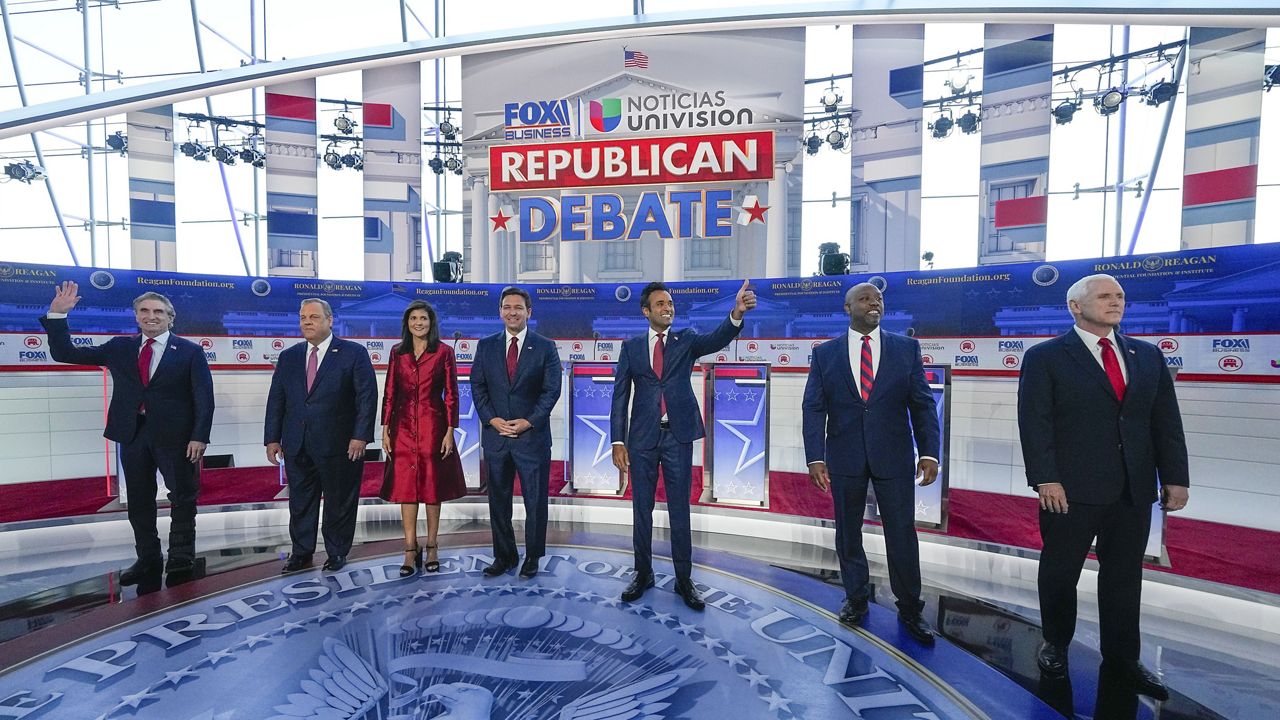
(500, 221)
(756, 213)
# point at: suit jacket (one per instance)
(851, 435)
(635, 367)
(531, 395)
(341, 407)
(1074, 431)
(179, 395)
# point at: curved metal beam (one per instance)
(1255, 13)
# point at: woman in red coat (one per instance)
(419, 413)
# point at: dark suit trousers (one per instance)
(896, 499)
(534, 465)
(141, 458)
(676, 460)
(338, 480)
(1121, 529)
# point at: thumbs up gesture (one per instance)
(746, 300)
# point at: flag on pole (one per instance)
(634, 59)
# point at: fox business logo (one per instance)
(277, 344)
(966, 361)
(1222, 345)
(32, 341)
(1230, 363)
(1173, 361)
(33, 356)
(375, 344)
(241, 343)
(206, 343)
(537, 120)
(1011, 346)
(1168, 345)
(82, 341)
(968, 346)
(210, 356)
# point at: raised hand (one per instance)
(745, 301)
(65, 297)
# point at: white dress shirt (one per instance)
(1091, 342)
(520, 337)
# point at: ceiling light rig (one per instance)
(969, 122)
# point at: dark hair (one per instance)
(648, 290)
(433, 332)
(513, 290)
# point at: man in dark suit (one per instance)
(160, 414)
(866, 399)
(320, 414)
(515, 382)
(665, 422)
(1099, 424)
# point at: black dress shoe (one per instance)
(499, 567)
(638, 585)
(689, 594)
(529, 568)
(142, 572)
(296, 563)
(1144, 681)
(334, 563)
(853, 611)
(1052, 659)
(180, 565)
(918, 628)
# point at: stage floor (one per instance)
(242, 641)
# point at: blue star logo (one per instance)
(732, 426)
(603, 448)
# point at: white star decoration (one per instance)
(603, 448)
(732, 426)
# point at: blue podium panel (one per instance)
(931, 501)
(736, 457)
(467, 435)
(590, 467)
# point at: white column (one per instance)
(775, 262)
(673, 249)
(570, 269)
(480, 212)
(498, 242)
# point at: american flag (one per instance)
(634, 59)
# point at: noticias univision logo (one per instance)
(606, 114)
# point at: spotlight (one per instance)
(969, 122)
(1110, 101)
(836, 138)
(1270, 77)
(118, 142)
(253, 156)
(813, 144)
(941, 127)
(448, 130)
(436, 165)
(448, 269)
(345, 123)
(354, 160)
(1065, 110)
(25, 172)
(831, 100)
(453, 164)
(332, 158)
(928, 258)
(195, 150)
(831, 261)
(1161, 92)
(224, 155)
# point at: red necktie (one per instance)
(313, 365)
(144, 368)
(513, 354)
(1111, 364)
(659, 353)
(868, 372)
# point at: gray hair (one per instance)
(328, 311)
(168, 306)
(1080, 288)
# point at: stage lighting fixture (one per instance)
(969, 122)
(436, 165)
(254, 157)
(25, 171)
(1064, 111)
(941, 127)
(332, 158)
(813, 144)
(453, 164)
(1110, 101)
(118, 142)
(1270, 77)
(831, 100)
(1161, 92)
(354, 160)
(448, 129)
(831, 261)
(448, 269)
(836, 138)
(224, 155)
(195, 150)
(928, 258)
(345, 123)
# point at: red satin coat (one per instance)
(419, 404)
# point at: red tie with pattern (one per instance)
(513, 354)
(868, 372)
(1111, 364)
(144, 368)
(659, 353)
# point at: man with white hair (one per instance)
(1100, 432)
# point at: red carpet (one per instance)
(1210, 551)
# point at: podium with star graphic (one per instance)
(931, 501)
(736, 457)
(590, 469)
